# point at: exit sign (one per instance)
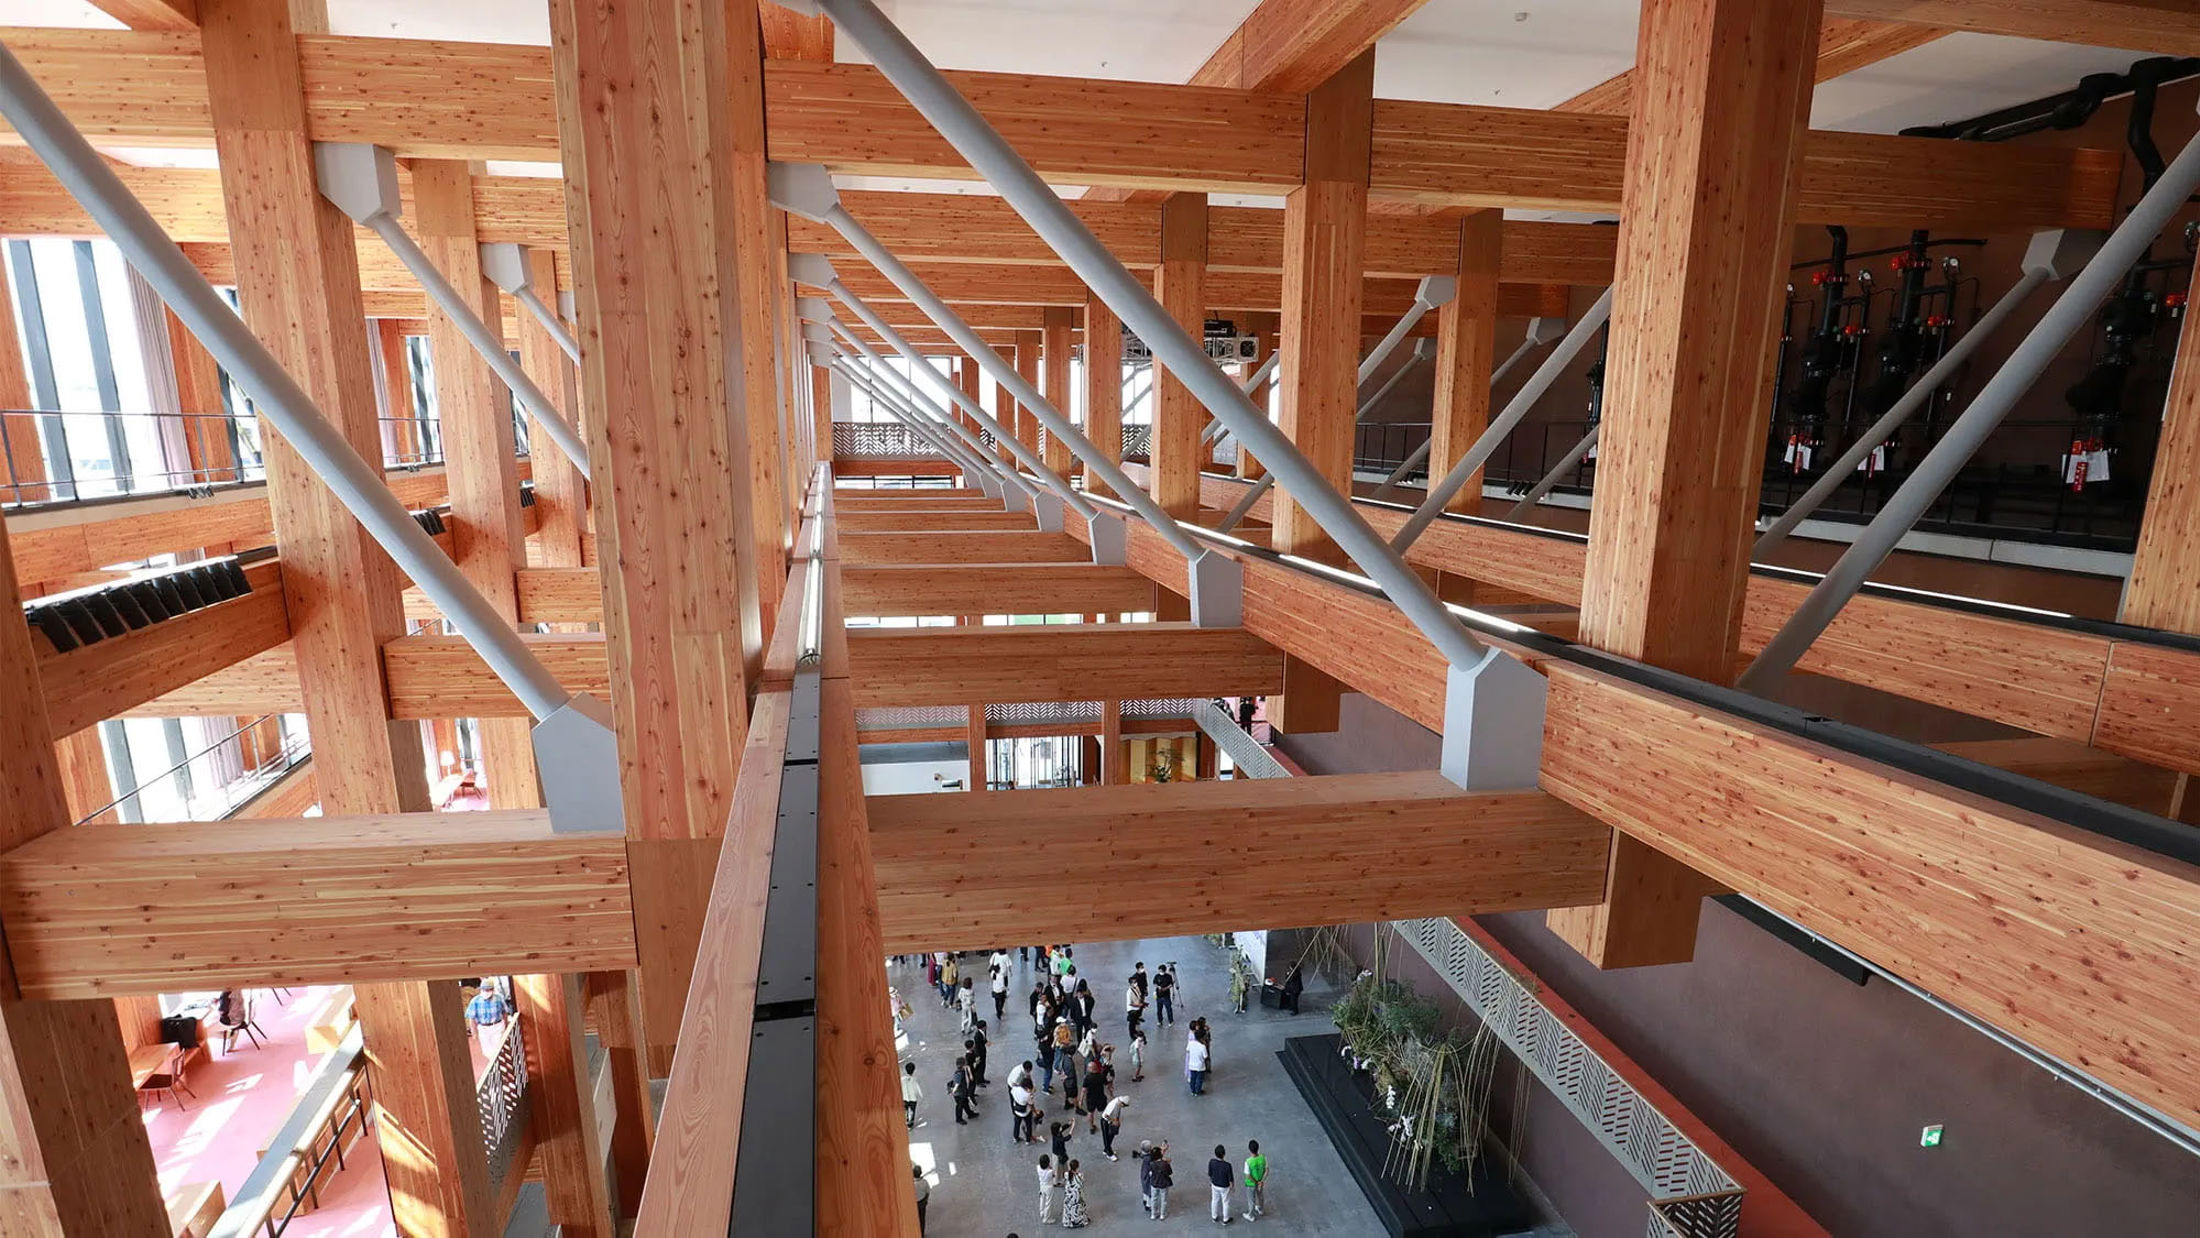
(1929, 1137)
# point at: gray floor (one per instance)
(984, 1186)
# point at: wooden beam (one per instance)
(1293, 46)
(2164, 588)
(654, 272)
(978, 589)
(1181, 285)
(1077, 662)
(886, 549)
(475, 416)
(152, 14)
(758, 266)
(690, 1190)
(1335, 850)
(95, 682)
(892, 521)
(74, 1158)
(568, 1145)
(791, 36)
(1917, 877)
(102, 910)
(2167, 27)
(1844, 46)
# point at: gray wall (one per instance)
(1822, 1084)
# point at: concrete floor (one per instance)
(984, 1186)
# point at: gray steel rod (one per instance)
(1564, 466)
(917, 423)
(1005, 376)
(2092, 286)
(1267, 481)
(959, 398)
(274, 394)
(1913, 399)
(490, 346)
(918, 404)
(1021, 187)
(1539, 383)
(1215, 430)
(550, 322)
(1420, 453)
(927, 421)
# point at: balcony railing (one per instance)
(502, 1097)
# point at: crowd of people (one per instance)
(1067, 1044)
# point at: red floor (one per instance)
(241, 1101)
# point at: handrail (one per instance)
(252, 1209)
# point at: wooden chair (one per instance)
(169, 1079)
(241, 1012)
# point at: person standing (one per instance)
(1138, 1055)
(1074, 1215)
(1111, 1124)
(1195, 1064)
(1219, 1178)
(949, 970)
(1045, 1054)
(1021, 1110)
(966, 1003)
(924, 1194)
(1139, 977)
(1134, 1005)
(1164, 995)
(1000, 982)
(1256, 1181)
(958, 1085)
(978, 1050)
(911, 1092)
(1049, 1178)
(1145, 1175)
(1096, 1092)
(1058, 1134)
(1164, 1177)
(1293, 985)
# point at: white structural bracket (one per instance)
(505, 263)
(1493, 724)
(1110, 536)
(362, 181)
(1218, 590)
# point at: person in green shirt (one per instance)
(1256, 1180)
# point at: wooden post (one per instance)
(653, 242)
(199, 398)
(86, 781)
(298, 282)
(2164, 587)
(1114, 763)
(1722, 90)
(23, 459)
(74, 1160)
(615, 1010)
(1057, 322)
(564, 1112)
(759, 260)
(398, 430)
(487, 539)
(1248, 466)
(821, 409)
(1028, 346)
(1103, 385)
(974, 741)
(1466, 331)
(561, 495)
(1324, 245)
(1178, 418)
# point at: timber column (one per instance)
(1056, 324)
(1722, 94)
(479, 441)
(759, 253)
(642, 91)
(1324, 256)
(1103, 386)
(298, 282)
(561, 493)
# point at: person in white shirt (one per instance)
(911, 1092)
(1134, 1006)
(1111, 1123)
(1049, 1178)
(1195, 1064)
(999, 967)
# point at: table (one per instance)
(147, 1061)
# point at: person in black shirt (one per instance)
(1219, 1180)
(1164, 995)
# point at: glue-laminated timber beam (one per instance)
(2083, 947)
(108, 678)
(890, 521)
(979, 589)
(105, 910)
(881, 549)
(1004, 291)
(953, 873)
(1844, 46)
(2166, 27)
(1067, 662)
(145, 87)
